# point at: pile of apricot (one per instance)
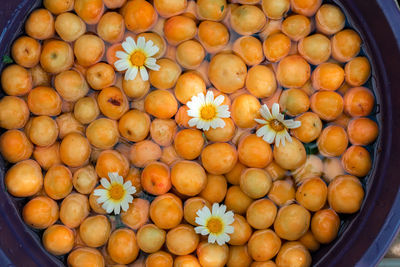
(69, 118)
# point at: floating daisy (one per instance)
(116, 194)
(216, 223)
(137, 57)
(207, 112)
(275, 126)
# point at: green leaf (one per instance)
(7, 59)
(222, 8)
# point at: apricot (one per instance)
(327, 76)
(249, 49)
(333, 141)
(186, 261)
(40, 24)
(112, 102)
(328, 105)
(212, 255)
(166, 211)
(144, 152)
(191, 206)
(242, 231)
(139, 15)
(255, 182)
(150, 238)
(190, 54)
(57, 56)
(16, 80)
(215, 189)
(122, 246)
(332, 167)
(275, 171)
(276, 46)
(58, 182)
(292, 222)
(134, 125)
(71, 85)
(86, 110)
(156, 178)
(188, 178)
(293, 254)
(236, 200)
(325, 225)
(227, 72)
(159, 258)
(245, 108)
(362, 131)
(269, 263)
(95, 230)
(94, 205)
(219, 158)
(24, 179)
(58, 239)
(15, 146)
(189, 143)
(74, 209)
(188, 85)
(294, 101)
(27, 51)
(111, 161)
(113, 4)
(305, 7)
(261, 214)
(261, 81)
(14, 112)
(44, 101)
(308, 240)
(84, 256)
(100, 75)
(168, 8)
(178, 29)
(358, 101)
(296, 26)
(346, 44)
(161, 104)
(89, 10)
(247, 19)
(85, 179)
(345, 194)
(274, 9)
(137, 214)
(58, 6)
(163, 131)
(357, 71)
(238, 256)
(293, 71)
(223, 134)
(254, 152)
(111, 27)
(74, 150)
(214, 10)
(68, 124)
(329, 19)
(357, 161)
(290, 156)
(40, 212)
(182, 240)
(47, 156)
(214, 36)
(167, 76)
(103, 133)
(310, 129)
(69, 26)
(312, 194)
(282, 192)
(136, 88)
(264, 245)
(92, 43)
(315, 48)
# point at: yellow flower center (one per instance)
(215, 225)
(116, 192)
(138, 58)
(208, 112)
(276, 125)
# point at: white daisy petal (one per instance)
(218, 123)
(125, 205)
(264, 111)
(128, 184)
(261, 121)
(108, 206)
(121, 65)
(102, 199)
(154, 67)
(141, 43)
(219, 100)
(152, 51)
(105, 183)
(117, 209)
(229, 229)
(131, 73)
(131, 190)
(122, 55)
(129, 198)
(275, 110)
(212, 238)
(129, 45)
(193, 122)
(292, 124)
(150, 61)
(209, 97)
(144, 74)
(100, 192)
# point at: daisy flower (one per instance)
(275, 126)
(137, 57)
(116, 194)
(207, 112)
(216, 223)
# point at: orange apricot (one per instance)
(58, 239)
(166, 211)
(27, 51)
(264, 245)
(16, 80)
(24, 179)
(111, 161)
(57, 56)
(178, 29)
(40, 212)
(189, 143)
(74, 209)
(310, 129)
(254, 152)
(182, 240)
(236, 200)
(293, 254)
(100, 75)
(261, 81)
(242, 231)
(159, 259)
(362, 131)
(294, 101)
(345, 194)
(276, 46)
(85, 255)
(74, 150)
(212, 255)
(346, 44)
(328, 105)
(312, 194)
(329, 19)
(357, 161)
(214, 10)
(139, 15)
(308, 240)
(245, 108)
(156, 178)
(58, 6)
(167, 76)
(282, 192)
(161, 104)
(89, 10)
(327, 76)
(92, 43)
(247, 19)
(249, 49)
(190, 54)
(144, 152)
(15, 146)
(293, 71)
(325, 225)
(134, 125)
(14, 112)
(357, 71)
(315, 48)
(214, 36)
(238, 256)
(358, 101)
(191, 206)
(150, 238)
(305, 7)
(333, 141)
(103, 133)
(261, 214)
(122, 246)
(188, 85)
(188, 178)
(69, 26)
(58, 182)
(95, 230)
(275, 9)
(44, 101)
(215, 189)
(112, 102)
(296, 26)
(137, 214)
(292, 222)
(111, 27)
(40, 24)
(219, 158)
